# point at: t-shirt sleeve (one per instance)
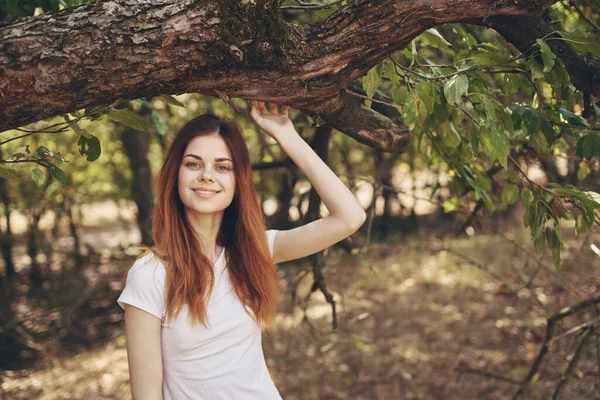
(145, 286)
(271, 233)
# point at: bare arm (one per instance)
(346, 214)
(142, 331)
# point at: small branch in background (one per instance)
(362, 96)
(319, 283)
(469, 220)
(591, 324)
(598, 354)
(573, 4)
(491, 273)
(552, 321)
(467, 370)
(62, 127)
(564, 379)
(19, 161)
(549, 270)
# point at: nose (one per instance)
(205, 175)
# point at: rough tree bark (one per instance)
(110, 51)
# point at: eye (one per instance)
(191, 164)
(223, 168)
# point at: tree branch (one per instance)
(584, 69)
(111, 51)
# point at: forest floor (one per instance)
(419, 317)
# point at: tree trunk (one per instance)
(6, 236)
(136, 146)
(320, 145)
(35, 271)
(281, 218)
(109, 51)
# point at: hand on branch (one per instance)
(273, 122)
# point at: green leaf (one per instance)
(583, 42)
(390, 72)
(593, 196)
(527, 197)
(583, 171)
(433, 37)
(130, 119)
(512, 175)
(588, 146)
(538, 142)
(89, 147)
(451, 137)
(572, 119)
(501, 144)
(487, 144)
(548, 132)
(59, 175)
(36, 174)
(456, 88)
(530, 121)
(371, 82)
(159, 123)
(6, 173)
(483, 180)
(547, 56)
(538, 236)
(426, 93)
(510, 194)
(450, 204)
(556, 257)
(435, 190)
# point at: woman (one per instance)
(195, 305)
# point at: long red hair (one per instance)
(189, 273)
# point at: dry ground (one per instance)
(411, 316)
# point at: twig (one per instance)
(18, 161)
(369, 98)
(581, 13)
(468, 370)
(319, 283)
(494, 275)
(569, 371)
(549, 333)
(549, 270)
(47, 129)
(586, 325)
(598, 354)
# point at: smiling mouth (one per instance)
(206, 192)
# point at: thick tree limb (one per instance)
(110, 51)
(584, 69)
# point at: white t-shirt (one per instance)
(222, 362)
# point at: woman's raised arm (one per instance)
(346, 214)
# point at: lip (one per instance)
(204, 192)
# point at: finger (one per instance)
(284, 109)
(262, 108)
(273, 107)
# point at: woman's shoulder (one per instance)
(148, 265)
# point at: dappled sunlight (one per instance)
(413, 313)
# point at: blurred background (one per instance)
(444, 293)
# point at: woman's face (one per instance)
(206, 182)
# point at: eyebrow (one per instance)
(200, 158)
